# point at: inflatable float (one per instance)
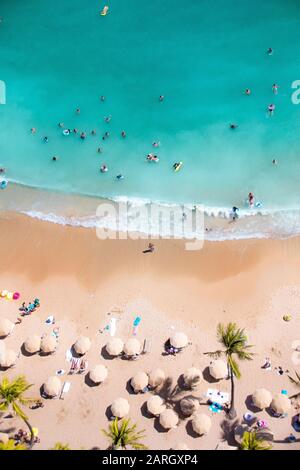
(66, 132)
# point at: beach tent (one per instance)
(32, 344)
(120, 408)
(82, 345)
(132, 347)
(6, 327)
(48, 344)
(52, 387)
(201, 423)
(98, 374)
(156, 377)
(114, 347)
(168, 419)
(139, 381)
(179, 340)
(218, 369)
(156, 405)
(261, 398)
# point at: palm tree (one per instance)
(234, 341)
(11, 445)
(60, 446)
(295, 381)
(251, 441)
(12, 396)
(124, 435)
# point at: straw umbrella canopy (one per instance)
(6, 327)
(218, 369)
(120, 408)
(179, 340)
(281, 404)
(4, 437)
(98, 374)
(168, 419)
(180, 446)
(156, 405)
(82, 345)
(52, 387)
(8, 358)
(114, 347)
(139, 381)
(192, 376)
(189, 405)
(132, 347)
(156, 377)
(32, 344)
(261, 398)
(201, 424)
(48, 344)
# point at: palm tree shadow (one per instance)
(227, 428)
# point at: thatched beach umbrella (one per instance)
(281, 404)
(192, 376)
(139, 381)
(156, 377)
(98, 374)
(189, 405)
(132, 347)
(48, 344)
(218, 369)
(82, 345)
(168, 419)
(179, 340)
(32, 344)
(120, 408)
(201, 424)
(114, 347)
(8, 358)
(6, 327)
(261, 398)
(4, 437)
(156, 405)
(180, 446)
(52, 387)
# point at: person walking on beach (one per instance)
(150, 248)
(251, 200)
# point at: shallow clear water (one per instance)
(202, 55)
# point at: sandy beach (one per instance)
(84, 282)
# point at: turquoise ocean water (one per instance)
(201, 55)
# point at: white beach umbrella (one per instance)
(98, 374)
(8, 358)
(168, 419)
(132, 347)
(120, 408)
(52, 387)
(48, 344)
(179, 340)
(156, 405)
(261, 398)
(201, 423)
(156, 377)
(139, 381)
(218, 369)
(180, 446)
(82, 345)
(6, 327)
(32, 344)
(281, 404)
(114, 347)
(192, 376)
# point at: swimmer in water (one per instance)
(78, 111)
(233, 126)
(270, 51)
(103, 169)
(123, 134)
(251, 199)
(176, 165)
(271, 109)
(93, 132)
(55, 158)
(235, 214)
(61, 124)
(46, 140)
(106, 135)
(161, 98)
(248, 91)
(274, 161)
(33, 130)
(119, 177)
(75, 131)
(107, 119)
(102, 98)
(156, 144)
(99, 150)
(83, 135)
(275, 88)
(2, 170)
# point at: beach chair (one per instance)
(65, 389)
